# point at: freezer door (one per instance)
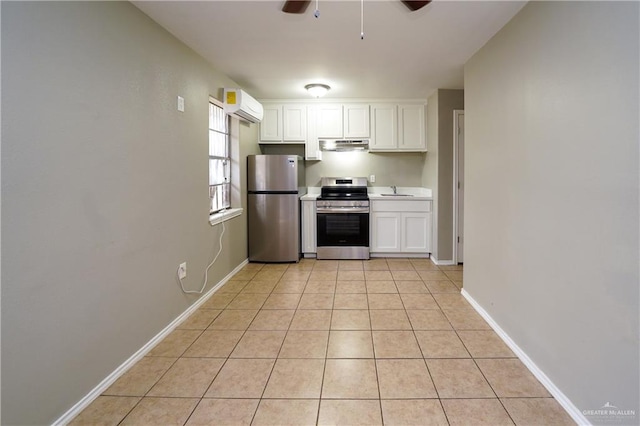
(274, 227)
(272, 173)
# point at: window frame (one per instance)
(235, 199)
(226, 160)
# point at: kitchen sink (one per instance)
(397, 195)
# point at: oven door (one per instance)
(343, 227)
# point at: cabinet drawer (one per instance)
(400, 206)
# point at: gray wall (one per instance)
(438, 165)
(448, 101)
(104, 193)
(430, 164)
(552, 218)
(400, 169)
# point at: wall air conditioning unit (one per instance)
(242, 105)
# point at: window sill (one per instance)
(223, 216)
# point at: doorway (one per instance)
(458, 186)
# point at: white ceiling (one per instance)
(272, 55)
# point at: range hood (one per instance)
(342, 145)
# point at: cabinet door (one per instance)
(384, 130)
(411, 129)
(271, 124)
(312, 147)
(294, 123)
(308, 226)
(330, 121)
(356, 121)
(385, 232)
(416, 232)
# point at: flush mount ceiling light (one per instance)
(317, 90)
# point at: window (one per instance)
(219, 158)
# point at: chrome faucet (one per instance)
(394, 189)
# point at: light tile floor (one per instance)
(384, 341)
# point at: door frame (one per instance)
(456, 119)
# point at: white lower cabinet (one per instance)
(385, 232)
(401, 226)
(416, 232)
(309, 227)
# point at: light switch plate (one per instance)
(180, 104)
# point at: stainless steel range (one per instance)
(343, 219)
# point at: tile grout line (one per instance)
(375, 359)
(281, 344)
(255, 412)
(230, 352)
(146, 395)
(424, 360)
(326, 353)
(228, 356)
(258, 311)
(493, 390)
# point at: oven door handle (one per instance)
(342, 210)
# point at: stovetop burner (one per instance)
(344, 188)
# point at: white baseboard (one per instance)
(111, 378)
(401, 255)
(562, 399)
(443, 262)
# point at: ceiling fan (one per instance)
(300, 6)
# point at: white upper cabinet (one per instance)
(294, 123)
(411, 129)
(338, 121)
(384, 127)
(390, 126)
(330, 121)
(312, 147)
(398, 127)
(271, 124)
(284, 123)
(356, 121)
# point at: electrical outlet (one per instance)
(372, 178)
(180, 104)
(182, 270)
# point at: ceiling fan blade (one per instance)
(415, 5)
(295, 6)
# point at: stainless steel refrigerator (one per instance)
(274, 186)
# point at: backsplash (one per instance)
(401, 169)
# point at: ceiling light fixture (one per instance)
(317, 90)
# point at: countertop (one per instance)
(375, 193)
(405, 193)
(313, 192)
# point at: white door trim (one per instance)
(456, 117)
